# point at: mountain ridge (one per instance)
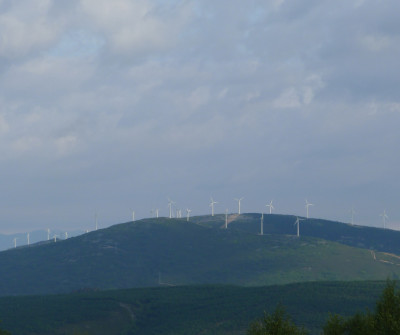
(154, 252)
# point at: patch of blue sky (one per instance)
(77, 44)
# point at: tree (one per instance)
(384, 321)
(4, 332)
(277, 323)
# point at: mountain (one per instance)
(154, 252)
(7, 240)
(217, 310)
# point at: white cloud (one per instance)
(289, 98)
(27, 26)
(136, 26)
(376, 42)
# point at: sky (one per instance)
(114, 106)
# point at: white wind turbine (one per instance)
(48, 234)
(96, 221)
(262, 224)
(157, 211)
(226, 218)
(188, 214)
(308, 204)
(170, 203)
(133, 215)
(384, 217)
(15, 242)
(66, 235)
(352, 212)
(239, 200)
(212, 203)
(298, 226)
(270, 207)
(27, 237)
(55, 238)
(179, 213)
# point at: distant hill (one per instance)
(157, 252)
(217, 310)
(7, 240)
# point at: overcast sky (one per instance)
(113, 106)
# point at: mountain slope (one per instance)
(164, 251)
(183, 310)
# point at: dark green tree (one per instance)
(384, 321)
(4, 332)
(277, 323)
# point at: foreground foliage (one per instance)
(277, 323)
(384, 320)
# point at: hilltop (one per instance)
(159, 252)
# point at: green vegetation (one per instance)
(277, 323)
(385, 319)
(156, 252)
(206, 309)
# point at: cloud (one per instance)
(136, 26)
(101, 99)
(27, 27)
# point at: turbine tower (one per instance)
(226, 218)
(308, 204)
(352, 211)
(262, 224)
(66, 235)
(170, 203)
(212, 203)
(55, 238)
(133, 216)
(15, 242)
(48, 234)
(27, 237)
(188, 214)
(270, 207)
(239, 200)
(157, 210)
(298, 226)
(384, 217)
(96, 221)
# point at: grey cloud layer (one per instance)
(111, 104)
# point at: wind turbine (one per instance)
(262, 224)
(188, 214)
(226, 218)
(15, 242)
(212, 203)
(170, 203)
(298, 226)
(27, 237)
(384, 217)
(308, 204)
(179, 213)
(270, 207)
(66, 235)
(55, 238)
(133, 216)
(352, 211)
(157, 210)
(48, 234)
(239, 200)
(96, 221)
